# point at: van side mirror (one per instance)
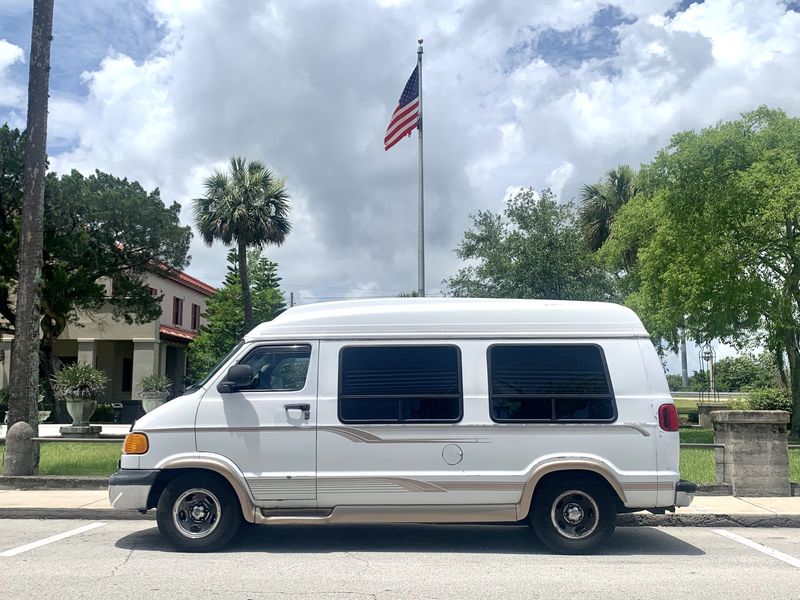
(238, 376)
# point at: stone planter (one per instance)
(80, 410)
(152, 400)
(755, 459)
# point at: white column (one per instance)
(87, 351)
(146, 361)
(5, 366)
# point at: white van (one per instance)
(556, 414)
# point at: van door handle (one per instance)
(306, 408)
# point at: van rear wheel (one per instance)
(573, 515)
(198, 513)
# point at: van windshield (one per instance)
(216, 368)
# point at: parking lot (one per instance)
(125, 559)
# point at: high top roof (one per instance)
(452, 317)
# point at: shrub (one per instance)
(740, 404)
(5, 396)
(770, 399)
(675, 383)
(104, 413)
(155, 385)
(79, 381)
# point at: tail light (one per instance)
(668, 417)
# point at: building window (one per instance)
(153, 291)
(195, 317)
(549, 383)
(393, 384)
(177, 311)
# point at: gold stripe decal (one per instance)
(360, 436)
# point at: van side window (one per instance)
(278, 367)
(549, 383)
(398, 384)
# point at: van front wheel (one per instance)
(198, 513)
(573, 515)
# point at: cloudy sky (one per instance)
(550, 93)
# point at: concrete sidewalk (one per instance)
(705, 510)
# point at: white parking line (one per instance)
(51, 539)
(795, 562)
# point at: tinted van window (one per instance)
(549, 383)
(278, 367)
(389, 384)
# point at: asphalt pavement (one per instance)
(128, 559)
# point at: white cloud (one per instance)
(12, 94)
(309, 89)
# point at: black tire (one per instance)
(198, 513)
(573, 514)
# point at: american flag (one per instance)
(405, 117)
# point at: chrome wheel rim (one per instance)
(196, 513)
(575, 515)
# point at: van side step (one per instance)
(296, 513)
(471, 513)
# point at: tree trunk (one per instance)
(684, 365)
(244, 278)
(25, 349)
(793, 353)
(51, 329)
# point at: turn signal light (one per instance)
(135, 443)
(668, 417)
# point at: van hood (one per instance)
(178, 412)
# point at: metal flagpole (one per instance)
(421, 233)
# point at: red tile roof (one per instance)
(185, 279)
(174, 332)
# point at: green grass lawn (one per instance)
(697, 464)
(76, 458)
(697, 436)
(686, 405)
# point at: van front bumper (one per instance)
(128, 489)
(684, 492)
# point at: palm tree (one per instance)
(601, 201)
(247, 206)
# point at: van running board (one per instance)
(472, 513)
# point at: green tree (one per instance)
(225, 312)
(719, 237)
(97, 230)
(737, 373)
(600, 202)
(248, 206)
(535, 249)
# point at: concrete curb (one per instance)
(707, 520)
(53, 482)
(88, 514)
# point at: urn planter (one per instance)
(152, 400)
(80, 410)
(79, 385)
